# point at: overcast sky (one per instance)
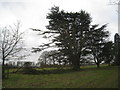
(32, 14)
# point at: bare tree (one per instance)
(10, 43)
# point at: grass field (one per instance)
(88, 77)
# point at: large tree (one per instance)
(10, 43)
(69, 32)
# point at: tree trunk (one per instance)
(108, 64)
(98, 65)
(45, 60)
(76, 67)
(3, 68)
(76, 63)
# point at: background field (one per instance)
(87, 77)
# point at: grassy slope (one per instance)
(89, 77)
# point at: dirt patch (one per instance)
(39, 84)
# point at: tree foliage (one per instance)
(97, 40)
(108, 52)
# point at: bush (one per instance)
(27, 69)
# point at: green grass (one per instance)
(88, 77)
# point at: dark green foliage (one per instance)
(97, 39)
(116, 54)
(116, 49)
(108, 52)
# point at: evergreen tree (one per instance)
(108, 52)
(73, 35)
(97, 40)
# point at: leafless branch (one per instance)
(11, 41)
